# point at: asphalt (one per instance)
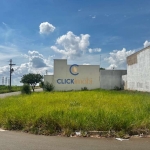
(12, 140)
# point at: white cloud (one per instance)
(36, 63)
(146, 43)
(117, 58)
(112, 66)
(95, 50)
(37, 60)
(93, 17)
(86, 64)
(71, 45)
(4, 24)
(8, 52)
(4, 70)
(46, 28)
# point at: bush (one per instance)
(117, 88)
(84, 89)
(41, 85)
(48, 87)
(26, 89)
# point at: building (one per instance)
(111, 79)
(74, 77)
(138, 70)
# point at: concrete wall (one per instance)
(138, 72)
(49, 78)
(111, 78)
(74, 77)
(124, 82)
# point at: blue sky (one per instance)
(34, 32)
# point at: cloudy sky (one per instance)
(101, 32)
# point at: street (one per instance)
(12, 140)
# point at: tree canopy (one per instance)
(31, 79)
(102, 68)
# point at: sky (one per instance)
(85, 32)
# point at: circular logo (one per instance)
(74, 69)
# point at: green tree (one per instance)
(102, 68)
(31, 79)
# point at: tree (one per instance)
(102, 68)
(31, 79)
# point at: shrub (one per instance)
(84, 89)
(48, 87)
(26, 89)
(41, 85)
(117, 88)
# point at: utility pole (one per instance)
(11, 71)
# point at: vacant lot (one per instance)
(48, 113)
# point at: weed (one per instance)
(49, 113)
(26, 89)
(84, 89)
(48, 87)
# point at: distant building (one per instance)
(138, 70)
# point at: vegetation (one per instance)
(102, 68)
(48, 87)
(31, 79)
(117, 88)
(65, 112)
(26, 89)
(6, 89)
(84, 89)
(41, 84)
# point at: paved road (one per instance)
(16, 93)
(11, 140)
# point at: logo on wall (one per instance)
(74, 69)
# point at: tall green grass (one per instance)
(6, 89)
(48, 113)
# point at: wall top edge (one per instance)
(143, 49)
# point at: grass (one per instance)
(65, 112)
(6, 89)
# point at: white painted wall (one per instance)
(49, 78)
(88, 76)
(138, 74)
